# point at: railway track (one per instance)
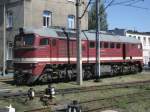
(39, 110)
(114, 98)
(131, 99)
(80, 90)
(144, 96)
(102, 87)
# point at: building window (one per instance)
(71, 21)
(149, 41)
(139, 38)
(144, 40)
(47, 18)
(10, 51)
(9, 19)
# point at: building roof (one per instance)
(139, 33)
(60, 33)
(117, 31)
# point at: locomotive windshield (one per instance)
(25, 40)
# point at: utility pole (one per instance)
(78, 37)
(4, 41)
(98, 72)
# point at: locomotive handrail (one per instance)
(25, 47)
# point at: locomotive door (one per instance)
(124, 51)
(54, 53)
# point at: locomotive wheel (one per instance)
(83, 74)
(60, 76)
(69, 74)
(45, 78)
(113, 70)
(20, 78)
(133, 69)
(87, 75)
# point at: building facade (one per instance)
(36, 14)
(145, 40)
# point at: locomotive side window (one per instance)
(83, 48)
(134, 45)
(101, 44)
(92, 44)
(44, 41)
(105, 44)
(118, 46)
(112, 45)
(54, 42)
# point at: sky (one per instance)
(129, 17)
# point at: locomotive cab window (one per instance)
(24, 40)
(92, 44)
(44, 41)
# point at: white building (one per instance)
(145, 39)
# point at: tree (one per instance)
(103, 17)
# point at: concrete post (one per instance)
(78, 36)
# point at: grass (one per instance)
(20, 104)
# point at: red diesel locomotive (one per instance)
(48, 53)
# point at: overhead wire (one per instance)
(123, 2)
(135, 2)
(110, 3)
(131, 3)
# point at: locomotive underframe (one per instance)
(65, 72)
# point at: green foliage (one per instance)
(103, 17)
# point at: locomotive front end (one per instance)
(24, 64)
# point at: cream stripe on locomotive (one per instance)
(36, 60)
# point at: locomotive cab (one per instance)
(23, 48)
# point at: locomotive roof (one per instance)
(59, 33)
